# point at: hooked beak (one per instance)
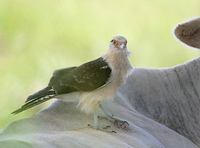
(122, 46)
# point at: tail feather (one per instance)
(44, 92)
(36, 99)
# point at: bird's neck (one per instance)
(115, 51)
(118, 58)
(119, 63)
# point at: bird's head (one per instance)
(118, 42)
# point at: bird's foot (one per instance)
(121, 124)
(117, 122)
(104, 128)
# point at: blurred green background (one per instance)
(37, 37)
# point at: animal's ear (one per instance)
(189, 32)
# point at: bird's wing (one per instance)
(86, 77)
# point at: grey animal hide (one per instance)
(162, 107)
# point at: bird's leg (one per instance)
(117, 122)
(95, 117)
(96, 124)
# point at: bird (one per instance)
(93, 81)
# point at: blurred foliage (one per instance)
(37, 37)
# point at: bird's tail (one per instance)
(37, 98)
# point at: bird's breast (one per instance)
(89, 101)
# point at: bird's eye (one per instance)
(113, 41)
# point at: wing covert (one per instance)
(86, 77)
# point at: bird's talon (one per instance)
(121, 124)
(108, 126)
(103, 129)
(114, 132)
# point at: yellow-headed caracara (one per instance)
(93, 81)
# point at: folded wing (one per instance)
(86, 77)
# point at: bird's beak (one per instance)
(122, 46)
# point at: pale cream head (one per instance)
(118, 42)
